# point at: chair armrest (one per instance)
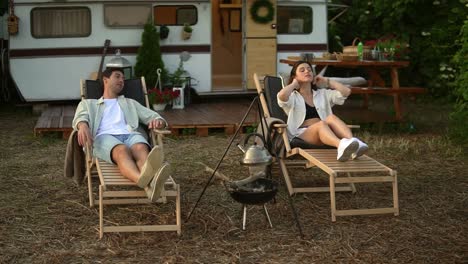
(157, 136)
(280, 125)
(161, 131)
(88, 153)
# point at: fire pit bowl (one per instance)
(259, 191)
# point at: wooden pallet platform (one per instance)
(198, 119)
(202, 119)
(56, 118)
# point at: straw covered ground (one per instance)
(45, 217)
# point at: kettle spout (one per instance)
(241, 147)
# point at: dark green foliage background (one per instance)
(438, 44)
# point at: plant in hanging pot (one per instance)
(178, 78)
(163, 32)
(186, 31)
(159, 99)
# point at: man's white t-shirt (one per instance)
(113, 120)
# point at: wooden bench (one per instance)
(389, 91)
(366, 91)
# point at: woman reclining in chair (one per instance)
(310, 116)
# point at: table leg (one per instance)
(396, 96)
(375, 77)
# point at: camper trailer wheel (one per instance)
(256, 6)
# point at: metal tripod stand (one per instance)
(262, 118)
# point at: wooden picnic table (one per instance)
(376, 84)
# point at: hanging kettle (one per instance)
(255, 154)
(255, 189)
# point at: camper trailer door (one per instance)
(259, 40)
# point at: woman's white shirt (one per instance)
(324, 100)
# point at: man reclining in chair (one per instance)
(310, 115)
(110, 124)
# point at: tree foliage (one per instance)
(149, 56)
(430, 27)
(459, 118)
(437, 33)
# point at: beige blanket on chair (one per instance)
(74, 166)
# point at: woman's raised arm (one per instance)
(284, 94)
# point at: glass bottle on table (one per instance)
(360, 48)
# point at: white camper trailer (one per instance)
(60, 42)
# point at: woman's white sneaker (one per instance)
(346, 148)
(362, 149)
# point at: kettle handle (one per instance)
(246, 140)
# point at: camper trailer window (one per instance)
(60, 22)
(175, 15)
(134, 15)
(294, 20)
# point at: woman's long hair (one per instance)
(292, 75)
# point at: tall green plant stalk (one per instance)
(459, 117)
(149, 56)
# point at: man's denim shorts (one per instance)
(103, 144)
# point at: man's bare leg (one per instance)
(140, 153)
(122, 156)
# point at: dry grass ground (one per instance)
(45, 218)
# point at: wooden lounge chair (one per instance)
(349, 172)
(115, 188)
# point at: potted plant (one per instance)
(178, 77)
(392, 48)
(159, 99)
(186, 31)
(163, 32)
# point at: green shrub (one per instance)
(149, 56)
(459, 117)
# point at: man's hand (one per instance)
(157, 124)
(84, 135)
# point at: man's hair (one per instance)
(108, 72)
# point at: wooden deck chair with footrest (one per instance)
(117, 189)
(362, 170)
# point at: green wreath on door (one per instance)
(268, 17)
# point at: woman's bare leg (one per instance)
(320, 133)
(339, 127)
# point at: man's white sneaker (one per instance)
(153, 191)
(151, 166)
(346, 148)
(362, 149)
